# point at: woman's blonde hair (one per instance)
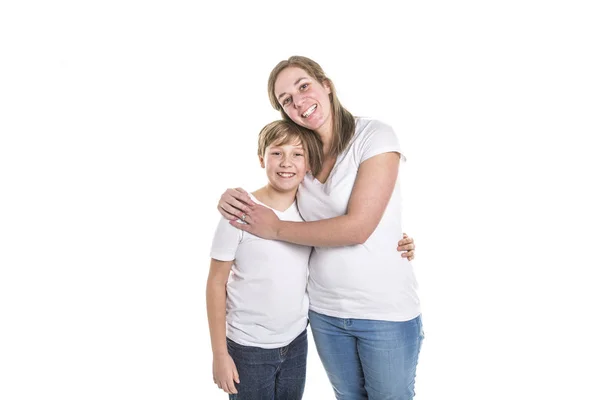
(285, 132)
(343, 121)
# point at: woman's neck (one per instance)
(276, 199)
(326, 135)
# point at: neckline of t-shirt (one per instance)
(254, 199)
(335, 165)
(343, 153)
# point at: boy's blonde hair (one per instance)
(285, 132)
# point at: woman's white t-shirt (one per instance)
(267, 305)
(370, 280)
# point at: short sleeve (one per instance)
(377, 138)
(225, 242)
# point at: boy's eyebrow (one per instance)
(295, 83)
(286, 144)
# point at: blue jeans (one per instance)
(270, 374)
(368, 359)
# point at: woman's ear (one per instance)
(327, 85)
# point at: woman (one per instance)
(364, 310)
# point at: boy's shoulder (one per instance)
(290, 214)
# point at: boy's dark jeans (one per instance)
(270, 374)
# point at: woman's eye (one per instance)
(285, 101)
(304, 86)
(299, 154)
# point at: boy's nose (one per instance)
(286, 162)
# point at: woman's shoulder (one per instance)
(372, 137)
(366, 127)
(368, 124)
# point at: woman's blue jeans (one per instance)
(270, 374)
(368, 359)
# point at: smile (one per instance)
(308, 112)
(286, 174)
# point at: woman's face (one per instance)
(304, 99)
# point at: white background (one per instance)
(123, 121)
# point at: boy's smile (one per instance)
(285, 165)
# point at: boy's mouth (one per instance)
(286, 174)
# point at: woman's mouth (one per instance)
(308, 112)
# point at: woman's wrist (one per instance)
(278, 229)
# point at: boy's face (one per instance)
(285, 165)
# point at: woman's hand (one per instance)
(234, 203)
(225, 373)
(407, 245)
(259, 221)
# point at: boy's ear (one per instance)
(261, 159)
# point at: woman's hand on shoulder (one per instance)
(260, 221)
(234, 203)
(407, 246)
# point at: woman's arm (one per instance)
(224, 370)
(371, 193)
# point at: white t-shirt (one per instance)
(371, 280)
(267, 304)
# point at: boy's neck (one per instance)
(275, 199)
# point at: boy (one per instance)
(258, 313)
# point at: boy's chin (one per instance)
(291, 186)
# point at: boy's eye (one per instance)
(275, 153)
(304, 86)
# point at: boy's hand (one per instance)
(225, 373)
(408, 246)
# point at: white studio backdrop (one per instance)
(122, 122)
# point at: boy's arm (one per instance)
(216, 294)
(224, 371)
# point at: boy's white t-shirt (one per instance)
(371, 280)
(267, 304)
